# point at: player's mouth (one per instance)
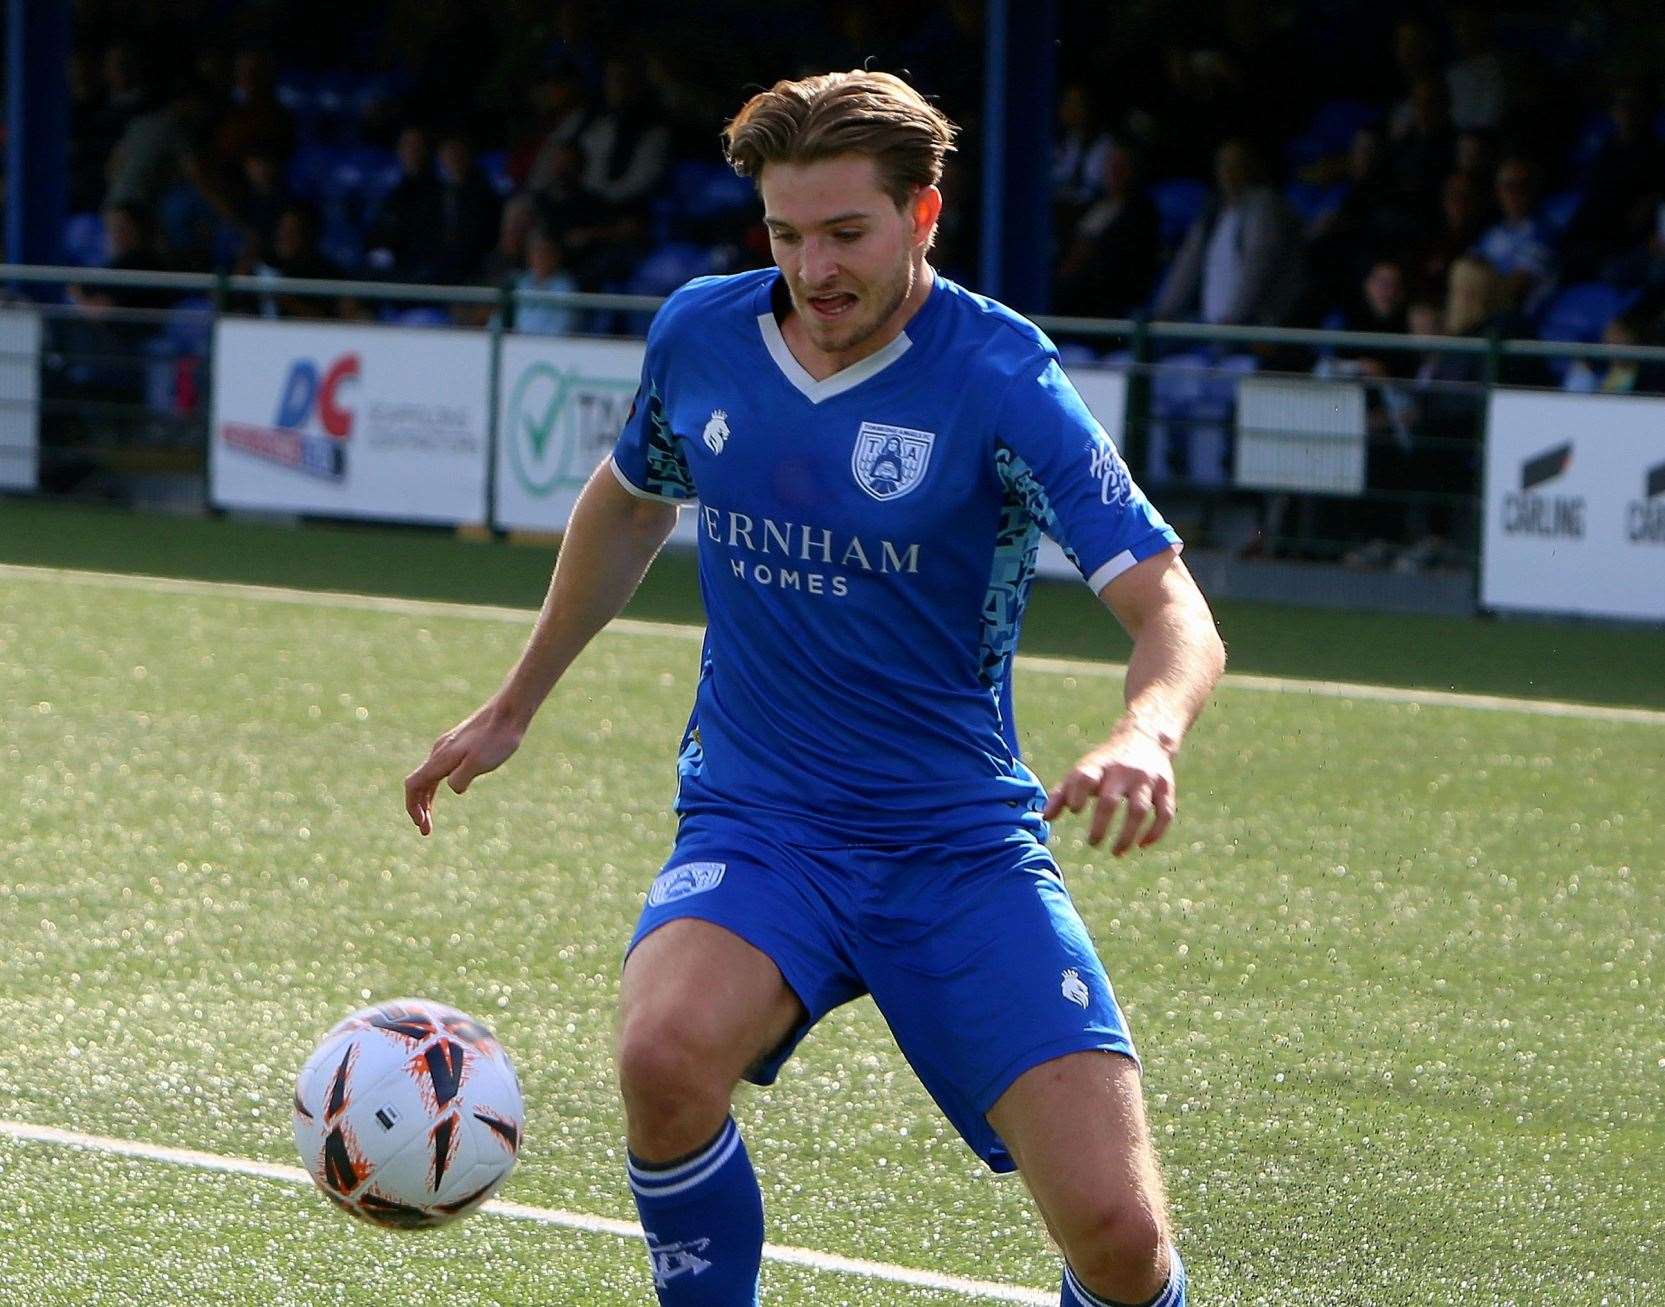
(831, 307)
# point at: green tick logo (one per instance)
(561, 424)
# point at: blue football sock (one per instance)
(704, 1222)
(1077, 1294)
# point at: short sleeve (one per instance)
(647, 460)
(1055, 458)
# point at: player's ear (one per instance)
(927, 208)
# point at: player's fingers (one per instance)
(463, 775)
(1165, 806)
(1138, 810)
(1081, 785)
(1103, 815)
(421, 784)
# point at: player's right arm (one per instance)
(611, 539)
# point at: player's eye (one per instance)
(784, 237)
(847, 236)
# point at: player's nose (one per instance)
(820, 266)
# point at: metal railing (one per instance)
(124, 401)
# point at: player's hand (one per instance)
(475, 746)
(1130, 770)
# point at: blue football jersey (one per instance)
(866, 547)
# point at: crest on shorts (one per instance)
(1075, 989)
(684, 881)
(890, 461)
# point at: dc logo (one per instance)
(685, 881)
(889, 461)
(716, 431)
(305, 392)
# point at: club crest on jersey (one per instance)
(685, 881)
(716, 431)
(890, 461)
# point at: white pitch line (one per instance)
(25, 1132)
(681, 631)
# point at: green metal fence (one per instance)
(1362, 450)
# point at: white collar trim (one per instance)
(840, 381)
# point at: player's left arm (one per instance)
(1177, 658)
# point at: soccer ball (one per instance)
(408, 1114)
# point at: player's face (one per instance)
(851, 258)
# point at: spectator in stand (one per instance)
(1462, 219)
(626, 147)
(1413, 54)
(544, 271)
(1621, 376)
(565, 113)
(626, 151)
(1622, 192)
(130, 245)
(404, 239)
(1422, 152)
(256, 122)
(1112, 258)
(1448, 413)
(1379, 305)
(1243, 261)
(514, 229)
(1476, 80)
(550, 100)
(1518, 244)
(261, 202)
(469, 208)
(1078, 155)
(293, 253)
(1346, 240)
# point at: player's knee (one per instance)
(1115, 1246)
(667, 1072)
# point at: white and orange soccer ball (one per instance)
(408, 1114)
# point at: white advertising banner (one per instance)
(1575, 504)
(350, 421)
(1300, 434)
(19, 399)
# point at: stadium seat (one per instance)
(495, 165)
(1560, 209)
(1312, 200)
(1581, 312)
(1179, 201)
(668, 267)
(83, 240)
(1193, 398)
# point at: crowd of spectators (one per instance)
(1253, 165)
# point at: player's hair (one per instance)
(858, 112)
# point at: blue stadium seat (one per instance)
(703, 190)
(1179, 203)
(1581, 312)
(1311, 200)
(668, 267)
(83, 240)
(495, 165)
(1560, 209)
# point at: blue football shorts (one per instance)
(975, 955)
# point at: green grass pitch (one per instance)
(1396, 974)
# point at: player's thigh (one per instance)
(694, 992)
(1076, 1127)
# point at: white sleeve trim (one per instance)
(1108, 572)
(636, 490)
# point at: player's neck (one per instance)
(820, 364)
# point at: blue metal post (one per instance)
(37, 120)
(1019, 79)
